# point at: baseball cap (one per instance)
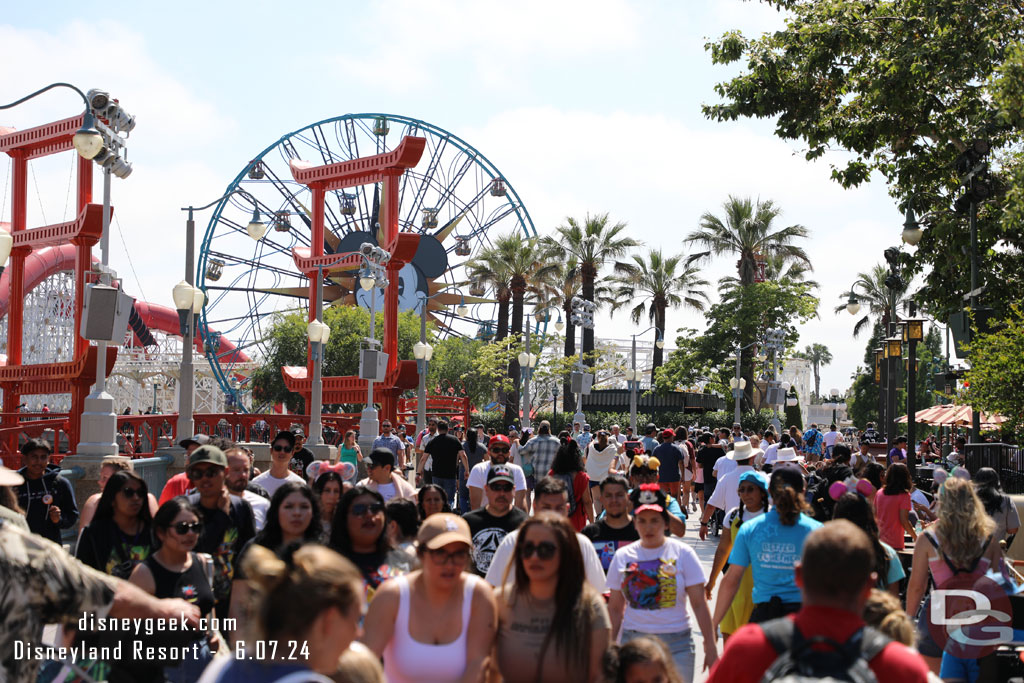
(197, 439)
(758, 479)
(297, 431)
(500, 473)
(440, 529)
(500, 438)
(669, 433)
(285, 435)
(9, 477)
(210, 454)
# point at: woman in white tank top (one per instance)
(436, 623)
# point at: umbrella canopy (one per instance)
(952, 414)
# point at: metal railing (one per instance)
(1005, 459)
(153, 471)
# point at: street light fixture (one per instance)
(853, 304)
(912, 231)
(87, 141)
(633, 375)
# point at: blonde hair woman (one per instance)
(960, 543)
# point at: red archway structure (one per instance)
(17, 379)
(387, 168)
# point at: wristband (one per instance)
(703, 523)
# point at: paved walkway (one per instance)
(706, 553)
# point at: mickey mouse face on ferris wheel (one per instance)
(430, 261)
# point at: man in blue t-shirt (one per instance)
(649, 439)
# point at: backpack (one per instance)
(567, 478)
(797, 662)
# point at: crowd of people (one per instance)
(464, 555)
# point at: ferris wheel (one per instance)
(455, 198)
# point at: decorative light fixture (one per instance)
(524, 359)
(629, 374)
(183, 295)
(912, 232)
(852, 304)
(894, 347)
(422, 351)
(366, 279)
(256, 228)
(913, 329)
(198, 299)
(462, 309)
(87, 141)
(559, 325)
(660, 341)
(318, 332)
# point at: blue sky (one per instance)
(583, 106)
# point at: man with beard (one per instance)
(490, 524)
(498, 450)
(615, 529)
(237, 481)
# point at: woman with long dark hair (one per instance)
(437, 622)
(855, 508)
(568, 466)
(552, 626)
(328, 486)
(892, 506)
(647, 580)
(293, 517)
(118, 537)
(358, 533)
(771, 546)
(754, 499)
(174, 570)
(432, 500)
(997, 504)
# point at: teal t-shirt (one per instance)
(771, 550)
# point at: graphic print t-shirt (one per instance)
(654, 582)
(224, 535)
(488, 532)
(772, 549)
(607, 539)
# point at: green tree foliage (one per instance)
(741, 316)
(792, 413)
(286, 344)
(863, 401)
(995, 382)
(873, 296)
(903, 86)
(452, 365)
(653, 284)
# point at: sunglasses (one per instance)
(503, 487)
(133, 493)
(360, 509)
(208, 472)
(182, 528)
(544, 550)
(282, 449)
(499, 449)
(442, 557)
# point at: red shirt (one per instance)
(748, 654)
(175, 486)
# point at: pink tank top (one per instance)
(410, 661)
(942, 568)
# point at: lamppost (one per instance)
(633, 374)
(371, 358)
(775, 341)
(189, 300)
(583, 318)
(835, 400)
(737, 383)
(528, 360)
(913, 332)
(422, 351)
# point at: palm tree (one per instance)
(818, 355)
(873, 294)
(489, 268)
(778, 268)
(653, 283)
(591, 244)
(748, 232)
(528, 270)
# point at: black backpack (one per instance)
(798, 661)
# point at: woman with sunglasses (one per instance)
(432, 500)
(753, 490)
(552, 625)
(436, 623)
(293, 517)
(648, 579)
(358, 533)
(107, 468)
(118, 538)
(175, 571)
